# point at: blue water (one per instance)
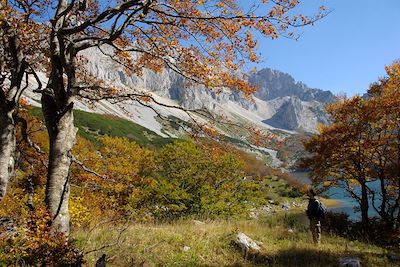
(347, 204)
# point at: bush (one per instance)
(337, 224)
(190, 180)
(32, 244)
(292, 221)
(376, 231)
(289, 191)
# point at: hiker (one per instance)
(315, 213)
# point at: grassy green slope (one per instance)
(93, 125)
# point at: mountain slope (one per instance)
(280, 101)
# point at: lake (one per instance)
(347, 204)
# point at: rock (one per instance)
(186, 248)
(349, 262)
(251, 249)
(291, 231)
(253, 215)
(197, 222)
(246, 243)
(285, 207)
(266, 209)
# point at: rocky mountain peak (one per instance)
(272, 84)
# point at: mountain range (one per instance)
(280, 101)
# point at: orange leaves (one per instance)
(260, 138)
(362, 141)
(218, 35)
(144, 98)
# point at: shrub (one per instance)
(190, 180)
(337, 224)
(375, 231)
(32, 244)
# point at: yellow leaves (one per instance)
(78, 211)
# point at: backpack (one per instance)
(321, 210)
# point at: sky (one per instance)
(344, 52)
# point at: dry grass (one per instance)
(211, 245)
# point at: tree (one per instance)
(361, 148)
(205, 41)
(338, 151)
(19, 53)
(384, 99)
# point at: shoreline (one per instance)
(332, 203)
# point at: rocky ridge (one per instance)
(280, 101)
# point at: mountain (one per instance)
(273, 84)
(280, 101)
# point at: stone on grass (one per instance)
(285, 207)
(349, 262)
(197, 222)
(266, 209)
(246, 243)
(253, 214)
(250, 249)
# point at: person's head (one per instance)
(311, 193)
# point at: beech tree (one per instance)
(338, 151)
(205, 41)
(384, 100)
(360, 149)
(19, 54)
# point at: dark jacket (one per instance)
(312, 208)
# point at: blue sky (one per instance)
(344, 52)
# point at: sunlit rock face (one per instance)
(273, 84)
(280, 101)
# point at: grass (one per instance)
(211, 245)
(93, 125)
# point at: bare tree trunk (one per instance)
(7, 145)
(364, 203)
(12, 61)
(62, 134)
(57, 107)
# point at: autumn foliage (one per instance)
(360, 150)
